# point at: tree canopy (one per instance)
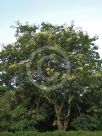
(50, 78)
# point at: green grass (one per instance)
(56, 133)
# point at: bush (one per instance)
(85, 122)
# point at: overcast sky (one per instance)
(86, 14)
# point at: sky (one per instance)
(86, 14)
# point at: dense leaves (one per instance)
(76, 105)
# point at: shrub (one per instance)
(84, 122)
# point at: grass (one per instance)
(56, 133)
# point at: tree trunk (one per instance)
(58, 111)
(63, 125)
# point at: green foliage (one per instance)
(25, 107)
(56, 133)
(84, 122)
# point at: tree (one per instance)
(84, 74)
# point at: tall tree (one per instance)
(47, 50)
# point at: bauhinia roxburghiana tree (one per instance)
(50, 46)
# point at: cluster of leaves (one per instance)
(25, 107)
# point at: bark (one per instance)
(58, 111)
(62, 125)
